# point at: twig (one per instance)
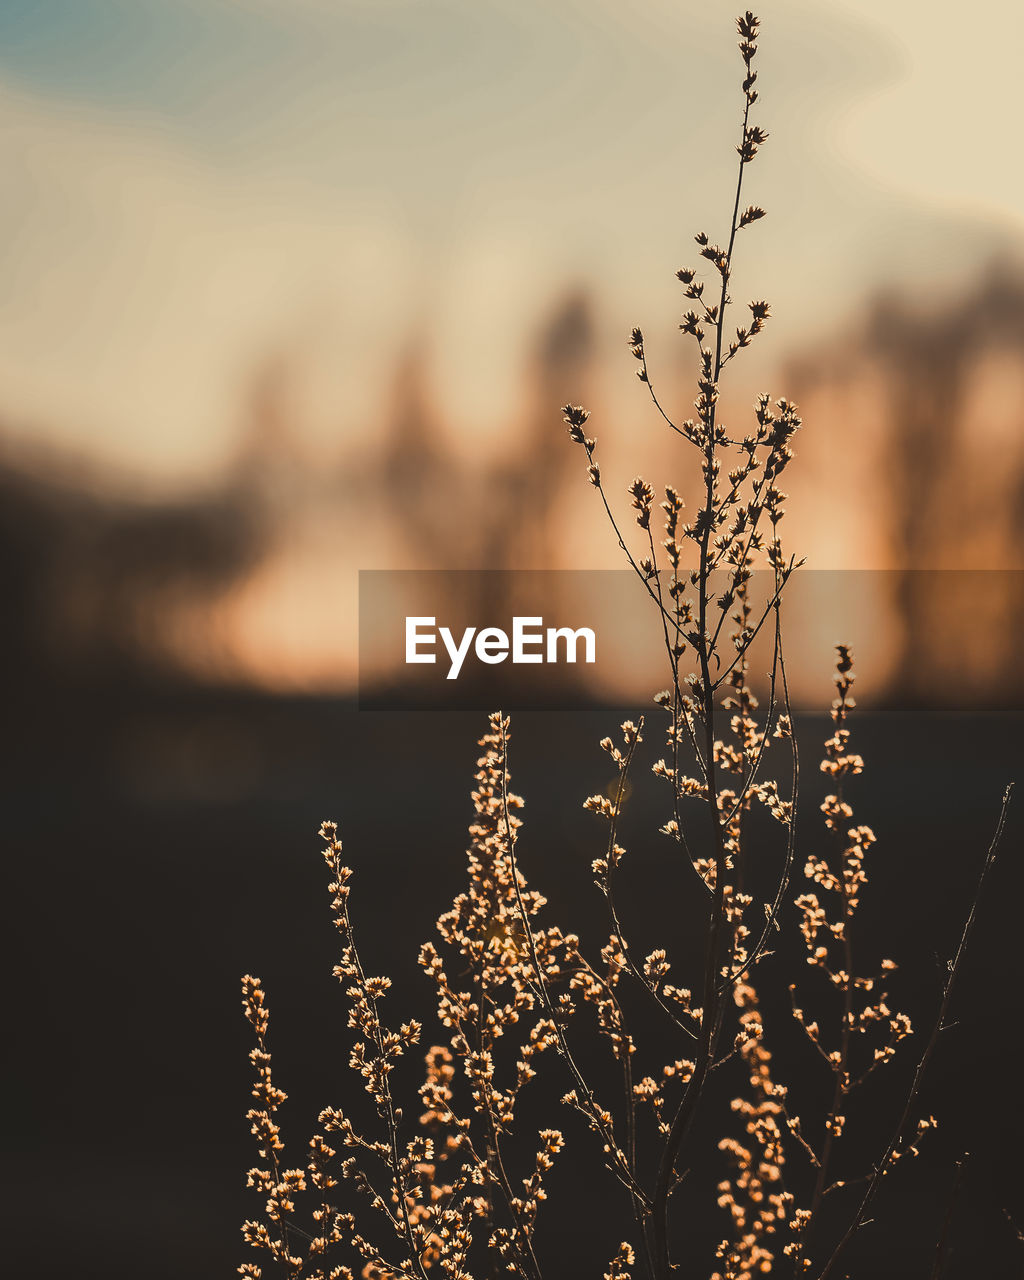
(618, 1159)
(883, 1166)
(942, 1247)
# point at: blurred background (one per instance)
(294, 288)
(297, 289)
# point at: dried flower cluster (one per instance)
(447, 1192)
(448, 1185)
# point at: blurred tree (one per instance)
(945, 386)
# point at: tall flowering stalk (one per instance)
(706, 611)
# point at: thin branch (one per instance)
(883, 1166)
(621, 1165)
(942, 1247)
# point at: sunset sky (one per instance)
(197, 191)
(189, 187)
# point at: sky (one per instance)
(190, 188)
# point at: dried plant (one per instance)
(448, 1192)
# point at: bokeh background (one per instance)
(293, 288)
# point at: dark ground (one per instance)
(161, 842)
